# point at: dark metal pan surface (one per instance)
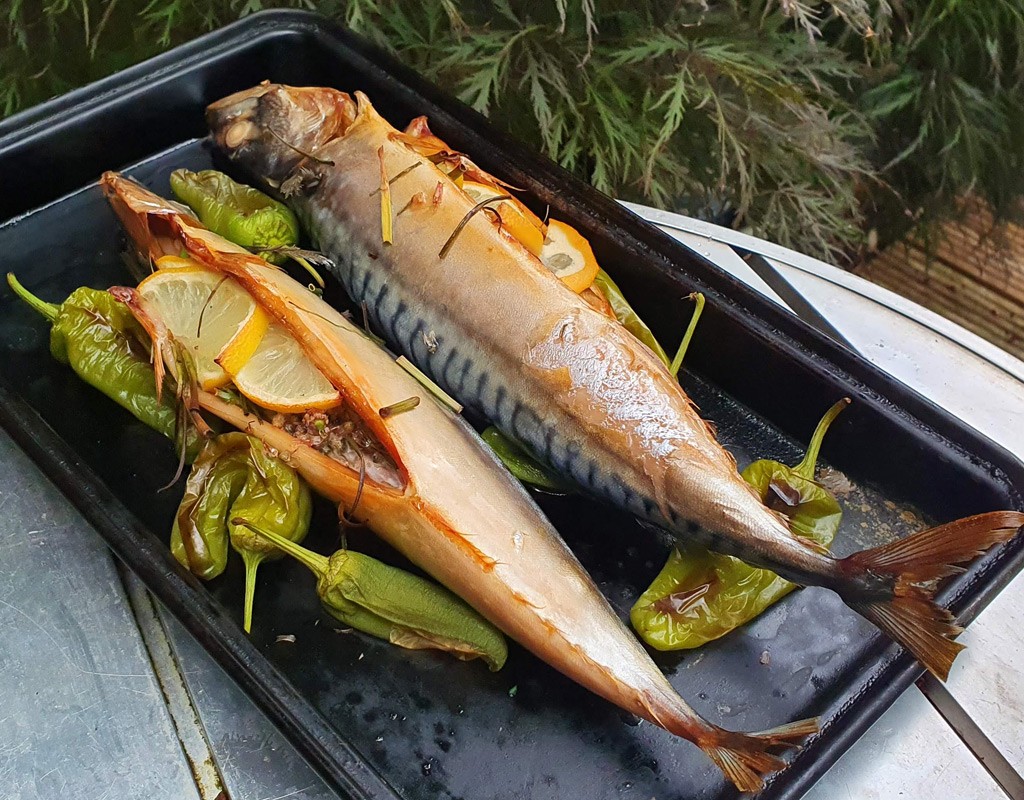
(383, 722)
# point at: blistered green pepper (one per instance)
(276, 499)
(521, 464)
(395, 605)
(237, 212)
(235, 476)
(813, 512)
(699, 596)
(199, 537)
(103, 343)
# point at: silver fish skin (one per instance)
(492, 325)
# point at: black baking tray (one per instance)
(380, 722)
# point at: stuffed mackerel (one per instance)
(478, 311)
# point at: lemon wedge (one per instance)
(209, 315)
(567, 254)
(521, 223)
(280, 376)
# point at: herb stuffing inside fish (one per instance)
(479, 312)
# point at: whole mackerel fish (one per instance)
(488, 321)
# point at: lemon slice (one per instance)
(209, 315)
(280, 376)
(176, 262)
(568, 255)
(515, 217)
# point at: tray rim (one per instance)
(337, 760)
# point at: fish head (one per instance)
(269, 129)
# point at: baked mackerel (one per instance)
(479, 313)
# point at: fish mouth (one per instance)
(270, 128)
(232, 118)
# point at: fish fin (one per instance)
(926, 629)
(744, 757)
(910, 615)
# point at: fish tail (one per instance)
(745, 758)
(909, 567)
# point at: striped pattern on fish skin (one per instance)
(568, 382)
(460, 366)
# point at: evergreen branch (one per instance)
(737, 110)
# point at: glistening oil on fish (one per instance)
(440, 497)
(521, 347)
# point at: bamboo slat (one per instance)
(971, 272)
(958, 303)
(946, 303)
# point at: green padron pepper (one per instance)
(103, 343)
(277, 500)
(237, 212)
(199, 537)
(699, 596)
(394, 605)
(521, 464)
(236, 476)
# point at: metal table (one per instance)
(105, 695)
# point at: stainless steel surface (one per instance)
(988, 677)
(82, 714)
(187, 724)
(783, 257)
(933, 359)
(909, 753)
(797, 303)
(254, 759)
(981, 747)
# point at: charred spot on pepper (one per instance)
(680, 604)
(783, 497)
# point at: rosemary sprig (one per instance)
(429, 385)
(387, 220)
(481, 206)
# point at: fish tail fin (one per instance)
(910, 615)
(745, 758)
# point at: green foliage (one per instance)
(713, 110)
(760, 113)
(945, 88)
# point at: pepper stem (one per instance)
(684, 345)
(309, 268)
(48, 310)
(805, 469)
(316, 562)
(252, 562)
